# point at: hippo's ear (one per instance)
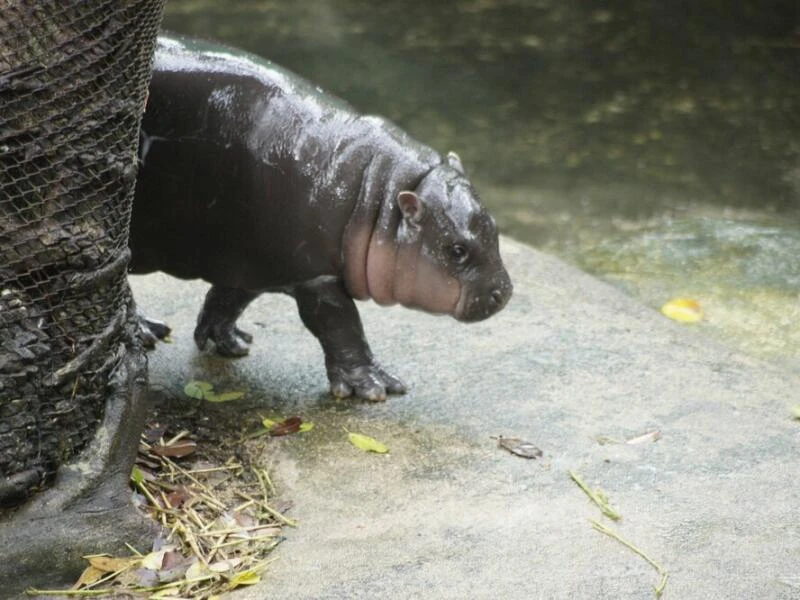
(411, 206)
(454, 161)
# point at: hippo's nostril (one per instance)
(497, 297)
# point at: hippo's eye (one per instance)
(459, 253)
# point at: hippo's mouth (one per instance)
(471, 308)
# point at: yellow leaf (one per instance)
(245, 578)
(796, 411)
(683, 310)
(107, 564)
(306, 426)
(89, 576)
(366, 443)
(224, 397)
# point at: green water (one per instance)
(652, 144)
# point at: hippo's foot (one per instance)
(369, 382)
(229, 340)
(217, 321)
(151, 331)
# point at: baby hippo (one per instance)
(256, 181)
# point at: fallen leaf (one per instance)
(796, 411)
(176, 450)
(154, 433)
(145, 577)
(108, 564)
(177, 498)
(683, 310)
(224, 397)
(650, 436)
(287, 426)
(225, 565)
(366, 443)
(519, 447)
(197, 389)
(90, 575)
(245, 578)
(196, 570)
(154, 560)
(137, 475)
(173, 567)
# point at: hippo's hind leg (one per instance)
(331, 315)
(217, 321)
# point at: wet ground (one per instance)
(654, 145)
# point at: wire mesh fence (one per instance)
(73, 84)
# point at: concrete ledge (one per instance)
(449, 515)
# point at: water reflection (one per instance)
(654, 144)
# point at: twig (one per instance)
(597, 497)
(269, 509)
(658, 589)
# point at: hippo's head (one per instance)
(446, 251)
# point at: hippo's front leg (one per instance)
(331, 315)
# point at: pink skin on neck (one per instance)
(392, 273)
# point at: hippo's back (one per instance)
(218, 192)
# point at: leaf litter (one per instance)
(218, 518)
(518, 447)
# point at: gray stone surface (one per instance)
(449, 515)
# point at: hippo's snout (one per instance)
(474, 307)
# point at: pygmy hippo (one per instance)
(254, 180)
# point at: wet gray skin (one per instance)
(256, 181)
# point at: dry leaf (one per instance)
(153, 433)
(173, 567)
(90, 575)
(196, 570)
(108, 564)
(366, 443)
(175, 450)
(287, 426)
(650, 436)
(225, 565)
(154, 560)
(684, 310)
(519, 447)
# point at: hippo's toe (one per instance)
(151, 331)
(229, 340)
(368, 382)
